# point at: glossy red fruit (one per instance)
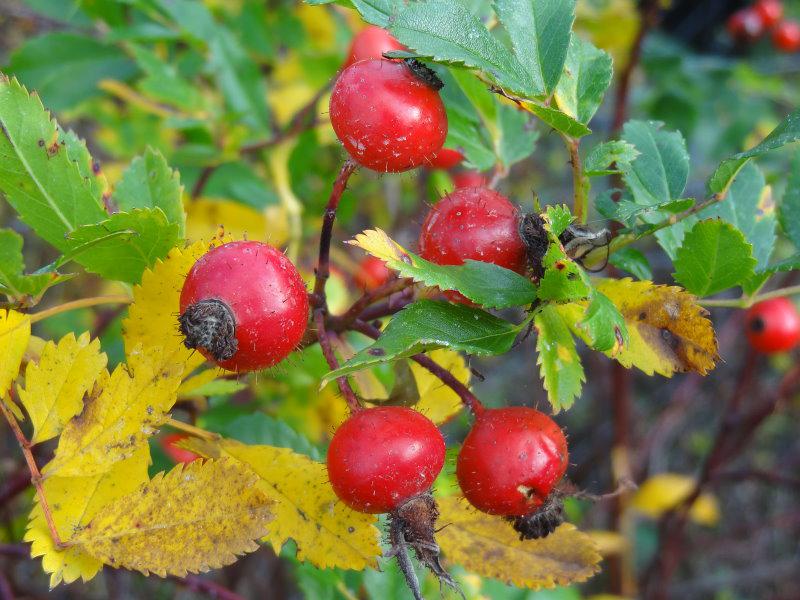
(770, 11)
(773, 325)
(380, 457)
(446, 158)
(179, 455)
(511, 460)
(465, 179)
(745, 25)
(372, 273)
(786, 36)
(473, 223)
(371, 42)
(387, 116)
(244, 306)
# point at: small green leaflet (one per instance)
(587, 75)
(486, 284)
(714, 257)
(785, 133)
(448, 33)
(633, 261)
(563, 280)
(561, 369)
(125, 257)
(377, 12)
(540, 34)
(427, 325)
(790, 204)
(259, 429)
(602, 156)
(558, 120)
(558, 218)
(603, 325)
(13, 281)
(164, 83)
(149, 183)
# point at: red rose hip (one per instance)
(372, 273)
(511, 460)
(745, 25)
(446, 158)
(381, 457)
(786, 36)
(773, 325)
(388, 115)
(465, 179)
(473, 223)
(244, 306)
(770, 11)
(371, 42)
(179, 455)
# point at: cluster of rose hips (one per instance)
(752, 23)
(244, 306)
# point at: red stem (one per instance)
(333, 363)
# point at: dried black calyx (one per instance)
(210, 325)
(412, 525)
(543, 521)
(534, 236)
(424, 73)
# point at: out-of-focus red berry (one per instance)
(179, 455)
(786, 36)
(371, 42)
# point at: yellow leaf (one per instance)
(73, 502)
(197, 517)
(55, 385)
(608, 542)
(378, 243)
(118, 416)
(153, 317)
(15, 331)
(665, 491)
(669, 331)
(205, 216)
(306, 509)
(488, 546)
(437, 401)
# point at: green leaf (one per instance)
(239, 79)
(559, 218)
(219, 387)
(517, 137)
(790, 204)
(714, 257)
(632, 261)
(164, 83)
(787, 132)
(149, 183)
(587, 75)
(563, 280)
(467, 134)
(13, 281)
(602, 156)
(65, 68)
(561, 369)
(124, 258)
(238, 181)
(448, 33)
(559, 121)
(89, 168)
(260, 429)
(427, 325)
(377, 12)
(603, 324)
(484, 283)
(748, 207)
(481, 99)
(37, 177)
(540, 33)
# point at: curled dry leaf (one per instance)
(306, 509)
(488, 546)
(199, 516)
(55, 385)
(669, 332)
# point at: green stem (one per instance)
(748, 301)
(580, 181)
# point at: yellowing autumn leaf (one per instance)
(669, 331)
(488, 546)
(197, 517)
(73, 502)
(306, 509)
(15, 331)
(55, 385)
(118, 416)
(378, 243)
(666, 491)
(437, 401)
(205, 216)
(153, 317)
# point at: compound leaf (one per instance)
(484, 283)
(488, 546)
(199, 516)
(669, 332)
(55, 385)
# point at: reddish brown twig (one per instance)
(333, 363)
(343, 321)
(36, 476)
(467, 397)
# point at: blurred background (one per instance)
(234, 94)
